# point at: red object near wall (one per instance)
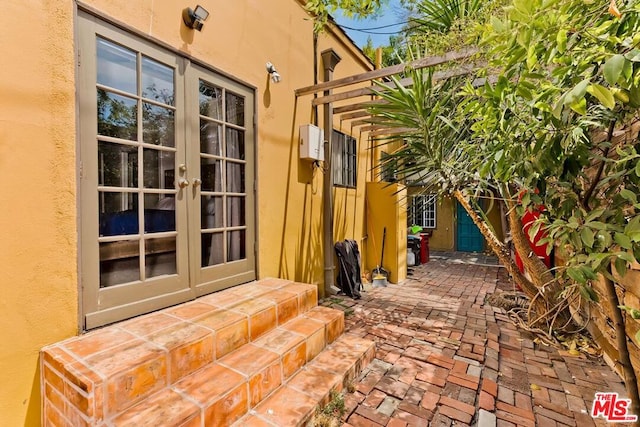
(424, 248)
(540, 250)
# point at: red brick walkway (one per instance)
(445, 358)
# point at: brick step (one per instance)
(248, 388)
(295, 402)
(94, 377)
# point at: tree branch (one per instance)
(596, 179)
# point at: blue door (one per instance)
(468, 236)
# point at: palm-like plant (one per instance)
(441, 15)
(437, 154)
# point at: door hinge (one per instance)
(79, 56)
(80, 170)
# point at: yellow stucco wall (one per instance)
(387, 211)
(492, 206)
(38, 262)
(38, 163)
(443, 236)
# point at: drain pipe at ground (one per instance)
(329, 60)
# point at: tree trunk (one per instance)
(540, 274)
(630, 380)
(541, 277)
(503, 254)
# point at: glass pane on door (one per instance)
(118, 213)
(160, 257)
(158, 125)
(222, 170)
(235, 211)
(211, 212)
(158, 168)
(138, 170)
(119, 262)
(210, 137)
(117, 116)
(117, 165)
(116, 66)
(212, 249)
(157, 81)
(210, 100)
(236, 245)
(235, 143)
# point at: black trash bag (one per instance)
(349, 276)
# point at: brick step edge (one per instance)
(292, 403)
(295, 402)
(75, 393)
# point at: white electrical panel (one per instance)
(311, 143)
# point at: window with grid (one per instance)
(422, 211)
(343, 160)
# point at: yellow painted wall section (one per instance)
(387, 210)
(38, 261)
(38, 255)
(492, 206)
(443, 237)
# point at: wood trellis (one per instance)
(355, 113)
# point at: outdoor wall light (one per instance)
(275, 76)
(194, 19)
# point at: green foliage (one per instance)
(434, 152)
(563, 76)
(444, 25)
(442, 15)
(633, 312)
(321, 9)
(331, 414)
(392, 54)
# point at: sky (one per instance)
(391, 14)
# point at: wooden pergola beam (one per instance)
(357, 106)
(387, 71)
(406, 82)
(363, 91)
(390, 131)
(371, 127)
(362, 122)
(354, 115)
(370, 121)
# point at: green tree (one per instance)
(443, 15)
(567, 81)
(438, 155)
(321, 9)
(392, 54)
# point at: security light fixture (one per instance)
(194, 19)
(275, 76)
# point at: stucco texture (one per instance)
(39, 165)
(38, 267)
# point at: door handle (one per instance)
(197, 182)
(182, 183)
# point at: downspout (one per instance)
(329, 60)
(315, 75)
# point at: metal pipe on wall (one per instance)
(329, 60)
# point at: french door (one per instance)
(221, 199)
(166, 176)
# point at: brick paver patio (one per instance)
(446, 358)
